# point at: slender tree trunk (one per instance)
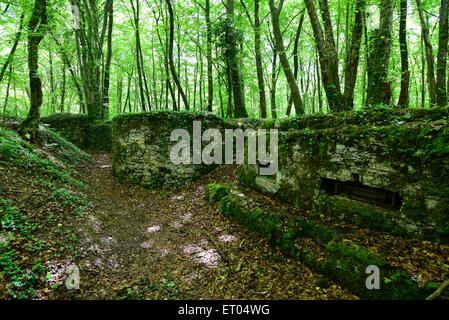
(201, 81)
(37, 28)
(273, 85)
(379, 88)
(52, 85)
(259, 67)
(405, 73)
(429, 55)
(5, 105)
(295, 60)
(332, 53)
(236, 76)
(279, 43)
(63, 89)
(170, 56)
(107, 67)
(353, 56)
(119, 93)
(442, 54)
(330, 81)
(210, 80)
(423, 71)
(136, 13)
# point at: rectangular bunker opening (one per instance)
(358, 191)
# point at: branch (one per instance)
(438, 291)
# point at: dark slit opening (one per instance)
(358, 191)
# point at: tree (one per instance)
(232, 52)
(379, 88)
(405, 73)
(89, 39)
(107, 66)
(258, 55)
(170, 56)
(279, 43)
(429, 55)
(210, 79)
(36, 30)
(327, 54)
(353, 55)
(442, 54)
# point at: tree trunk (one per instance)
(405, 73)
(170, 56)
(279, 43)
(442, 54)
(259, 67)
(5, 105)
(62, 103)
(236, 77)
(353, 56)
(136, 11)
(52, 85)
(295, 60)
(210, 80)
(379, 89)
(107, 67)
(273, 85)
(429, 55)
(331, 87)
(36, 28)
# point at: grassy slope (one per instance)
(41, 200)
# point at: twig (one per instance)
(438, 291)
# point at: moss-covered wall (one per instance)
(408, 155)
(81, 130)
(141, 147)
(338, 258)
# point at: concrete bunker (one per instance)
(384, 169)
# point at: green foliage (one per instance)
(22, 280)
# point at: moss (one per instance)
(215, 192)
(346, 262)
(81, 130)
(377, 115)
(171, 120)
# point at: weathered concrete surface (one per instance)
(141, 147)
(409, 158)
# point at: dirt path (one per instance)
(157, 244)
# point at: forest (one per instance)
(348, 97)
(262, 59)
